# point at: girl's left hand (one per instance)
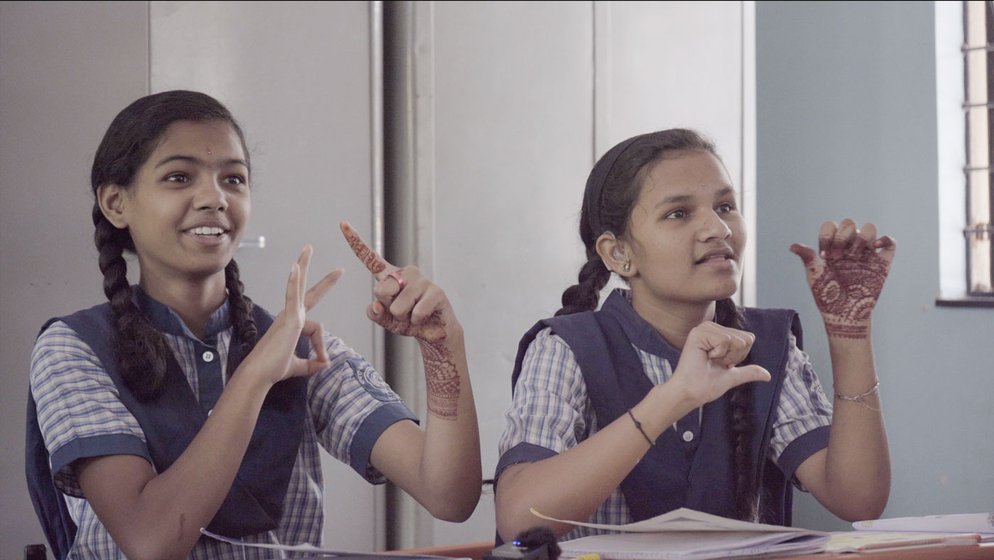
(847, 274)
(407, 303)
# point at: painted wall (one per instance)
(846, 126)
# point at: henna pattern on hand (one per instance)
(364, 253)
(442, 380)
(441, 375)
(846, 291)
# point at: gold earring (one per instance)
(627, 267)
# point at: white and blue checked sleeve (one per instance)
(803, 406)
(549, 407)
(79, 408)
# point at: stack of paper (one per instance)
(686, 534)
(925, 531)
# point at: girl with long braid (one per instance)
(180, 405)
(670, 395)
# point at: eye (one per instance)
(726, 207)
(178, 178)
(235, 180)
(677, 214)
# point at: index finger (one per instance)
(373, 262)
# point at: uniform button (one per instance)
(688, 436)
(208, 356)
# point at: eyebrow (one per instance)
(198, 161)
(681, 198)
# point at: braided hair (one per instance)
(129, 141)
(611, 193)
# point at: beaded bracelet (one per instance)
(639, 426)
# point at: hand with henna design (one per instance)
(847, 275)
(409, 304)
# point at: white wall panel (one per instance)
(61, 82)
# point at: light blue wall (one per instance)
(846, 126)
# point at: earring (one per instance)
(627, 267)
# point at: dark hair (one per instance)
(131, 138)
(612, 190)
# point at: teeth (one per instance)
(205, 230)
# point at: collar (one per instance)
(167, 321)
(642, 334)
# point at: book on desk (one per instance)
(686, 534)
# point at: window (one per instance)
(978, 56)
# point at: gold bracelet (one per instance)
(639, 426)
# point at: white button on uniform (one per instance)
(688, 436)
(208, 356)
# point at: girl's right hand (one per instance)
(708, 364)
(274, 357)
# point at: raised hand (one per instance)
(847, 275)
(273, 356)
(409, 304)
(707, 367)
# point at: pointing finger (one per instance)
(373, 262)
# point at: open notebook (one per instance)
(686, 534)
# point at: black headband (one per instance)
(598, 177)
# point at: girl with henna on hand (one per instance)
(180, 405)
(672, 396)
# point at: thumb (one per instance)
(806, 253)
(748, 374)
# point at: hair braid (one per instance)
(583, 295)
(241, 309)
(141, 349)
(740, 426)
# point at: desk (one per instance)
(476, 551)
(971, 552)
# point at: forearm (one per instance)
(573, 484)
(857, 463)
(161, 517)
(450, 459)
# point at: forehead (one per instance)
(685, 173)
(201, 138)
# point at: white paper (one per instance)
(309, 551)
(693, 545)
(952, 523)
(685, 519)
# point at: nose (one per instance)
(714, 227)
(210, 195)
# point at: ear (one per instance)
(615, 254)
(111, 197)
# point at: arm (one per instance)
(153, 515)
(851, 478)
(574, 483)
(439, 465)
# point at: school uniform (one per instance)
(84, 410)
(584, 370)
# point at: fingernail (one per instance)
(377, 308)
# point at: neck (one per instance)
(673, 320)
(192, 300)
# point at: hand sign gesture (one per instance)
(707, 367)
(407, 303)
(847, 275)
(273, 356)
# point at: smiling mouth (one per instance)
(719, 257)
(207, 230)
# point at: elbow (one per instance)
(868, 507)
(456, 507)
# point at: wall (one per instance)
(61, 84)
(846, 113)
